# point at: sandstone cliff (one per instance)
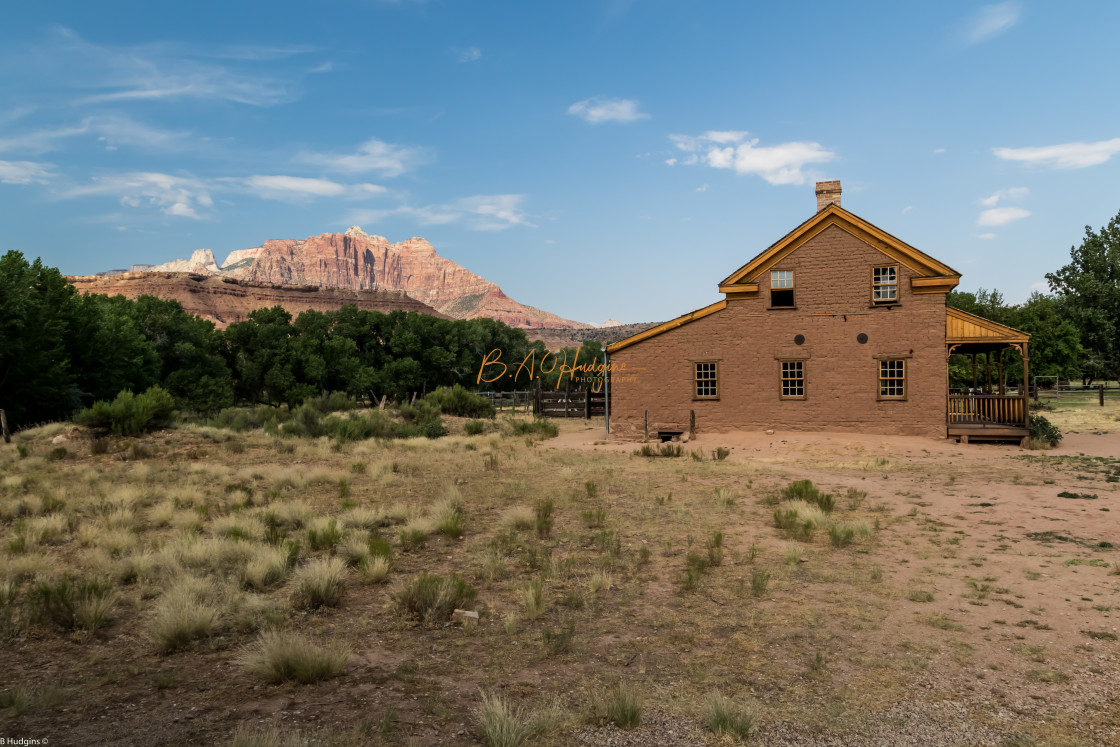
(202, 262)
(357, 260)
(225, 300)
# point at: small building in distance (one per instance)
(838, 326)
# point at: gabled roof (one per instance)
(932, 276)
(666, 326)
(962, 327)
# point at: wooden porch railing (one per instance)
(986, 409)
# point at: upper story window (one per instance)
(781, 288)
(884, 284)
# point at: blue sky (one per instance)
(595, 159)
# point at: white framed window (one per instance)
(884, 284)
(781, 288)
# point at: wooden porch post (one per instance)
(1000, 362)
(1026, 389)
(988, 371)
(974, 384)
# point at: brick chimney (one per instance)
(828, 192)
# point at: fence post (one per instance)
(691, 424)
(646, 431)
(568, 400)
(1100, 391)
(587, 404)
(4, 427)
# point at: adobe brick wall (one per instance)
(832, 274)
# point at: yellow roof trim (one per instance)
(962, 327)
(834, 215)
(680, 321)
(936, 284)
(739, 288)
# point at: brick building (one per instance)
(837, 326)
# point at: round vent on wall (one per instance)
(861, 338)
(799, 339)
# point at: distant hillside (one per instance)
(569, 338)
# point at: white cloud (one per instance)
(373, 155)
(992, 20)
(151, 72)
(671, 161)
(702, 188)
(280, 187)
(468, 54)
(907, 209)
(111, 130)
(986, 236)
(777, 164)
(597, 110)
(174, 195)
(938, 150)
(1001, 216)
(1014, 193)
(1064, 156)
(479, 213)
(24, 172)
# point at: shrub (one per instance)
(320, 583)
(1044, 431)
(130, 414)
(269, 564)
(502, 725)
(721, 453)
(533, 598)
(71, 604)
(183, 614)
(804, 490)
(431, 598)
(288, 657)
(459, 402)
(538, 427)
(671, 450)
(374, 570)
(725, 716)
(544, 517)
(559, 641)
(324, 537)
(623, 708)
(474, 427)
(841, 535)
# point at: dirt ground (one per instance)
(982, 607)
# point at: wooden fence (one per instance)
(550, 403)
(575, 404)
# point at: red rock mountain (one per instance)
(358, 261)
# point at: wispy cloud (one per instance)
(479, 213)
(467, 54)
(991, 21)
(112, 131)
(173, 195)
(986, 236)
(280, 187)
(372, 156)
(24, 172)
(729, 149)
(1014, 193)
(1064, 156)
(597, 110)
(1001, 216)
(108, 73)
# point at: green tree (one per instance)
(1089, 287)
(37, 307)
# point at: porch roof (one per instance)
(962, 328)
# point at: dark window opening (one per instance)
(666, 436)
(781, 298)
